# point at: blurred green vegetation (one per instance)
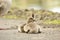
(25, 3)
(52, 22)
(17, 11)
(43, 3)
(47, 16)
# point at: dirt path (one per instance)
(47, 34)
(14, 35)
(7, 23)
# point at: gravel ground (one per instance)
(46, 34)
(7, 23)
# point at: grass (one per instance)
(10, 17)
(14, 17)
(52, 22)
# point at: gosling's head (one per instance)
(30, 20)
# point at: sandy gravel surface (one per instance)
(47, 33)
(7, 23)
(14, 35)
